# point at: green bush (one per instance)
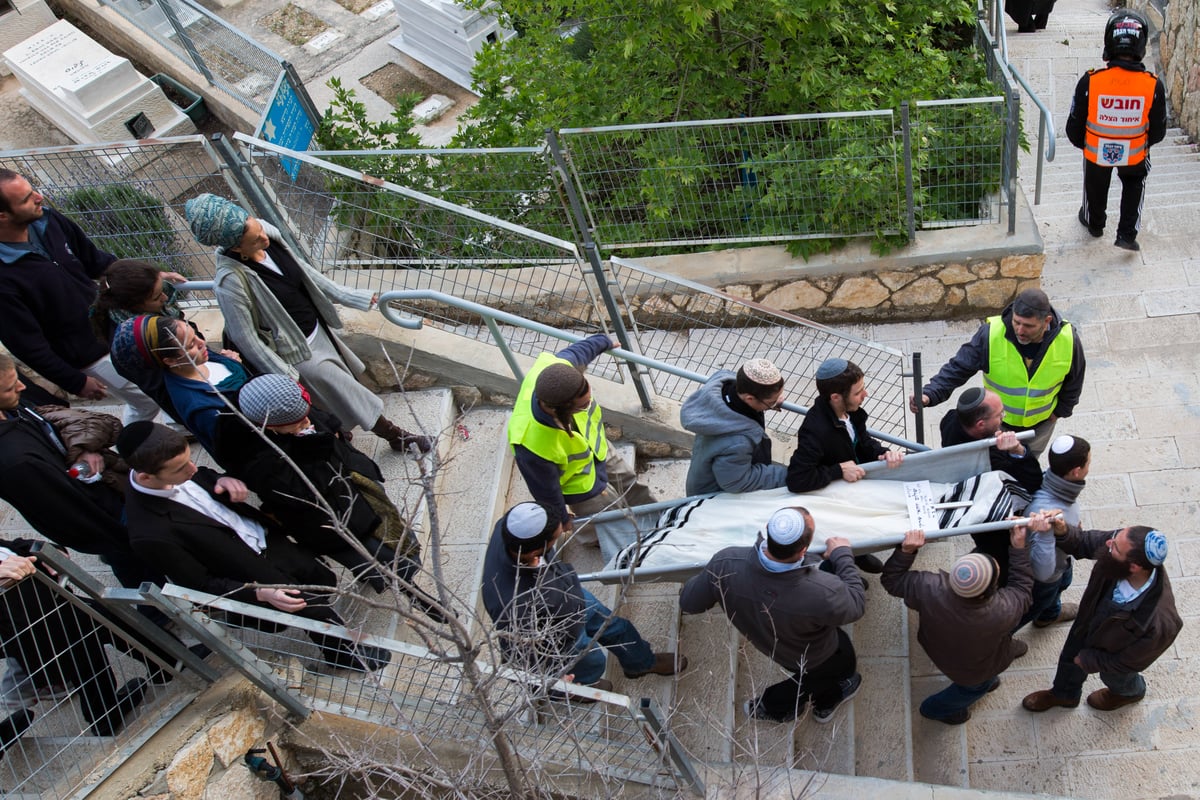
(122, 219)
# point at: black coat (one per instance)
(1026, 471)
(823, 443)
(324, 457)
(201, 553)
(44, 304)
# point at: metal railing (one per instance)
(228, 59)
(562, 731)
(82, 682)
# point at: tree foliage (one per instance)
(600, 62)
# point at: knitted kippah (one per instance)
(972, 574)
(558, 384)
(970, 399)
(1062, 444)
(1155, 547)
(273, 400)
(831, 368)
(761, 371)
(215, 221)
(786, 526)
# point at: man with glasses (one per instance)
(1126, 619)
(732, 451)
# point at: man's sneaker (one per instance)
(1068, 612)
(664, 664)
(1125, 243)
(754, 710)
(1095, 230)
(850, 687)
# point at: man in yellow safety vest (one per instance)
(1030, 356)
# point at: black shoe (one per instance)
(1126, 243)
(1026, 28)
(358, 658)
(868, 563)
(1095, 230)
(850, 687)
(128, 698)
(13, 726)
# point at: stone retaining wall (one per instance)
(1179, 57)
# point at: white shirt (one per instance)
(194, 497)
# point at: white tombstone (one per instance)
(91, 94)
(20, 20)
(445, 36)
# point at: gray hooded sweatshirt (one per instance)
(723, 455)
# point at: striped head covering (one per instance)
(972, 574)
(144, 341)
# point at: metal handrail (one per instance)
(997, 37)
(493, 315)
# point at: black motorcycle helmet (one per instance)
(1125, 35)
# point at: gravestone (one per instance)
(19, 20)
(445, 36)
(91, 94)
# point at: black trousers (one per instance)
(818, 684)
(1096, 180)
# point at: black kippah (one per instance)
(970, 399)
(134, 436)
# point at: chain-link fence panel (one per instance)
(231, 61)
(765, 179)
(128, 197)
(958, 156)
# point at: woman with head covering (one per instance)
(130, 287)
(195, 378)
(279, 312)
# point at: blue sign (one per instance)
(287, 124)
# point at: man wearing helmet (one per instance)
(1117, 113)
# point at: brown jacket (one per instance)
(1129, 640)
(969, 640)
(89, 432)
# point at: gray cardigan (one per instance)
(257, 321)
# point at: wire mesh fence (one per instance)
(958, 157)
(77, 690)
(128, 197)
(754, 180)
(232, 62)
(564, 732)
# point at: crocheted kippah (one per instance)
(972, 574)
(1156, 548)
(831, 368)
(273, 400)
(969, 399)
(762, 372)
(1031, 303)
(786, 526)
(215, 221)
(558, 384)
(143, 341)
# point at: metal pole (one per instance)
(186, 41)
(306, 101)
(909, 207)
(254, 191)
(661, 738)
(917, 386)
(592, 253)
(121, 610)
(1014, 128)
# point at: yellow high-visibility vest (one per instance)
(1027, 400)
(572, 451)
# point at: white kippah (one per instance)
(762, 372)
(526, 521)
(786, 526)
(1062, 444)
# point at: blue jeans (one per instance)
(619, 636)
(954, 698)
(1047, 599)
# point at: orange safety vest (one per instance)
(1118, 116)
